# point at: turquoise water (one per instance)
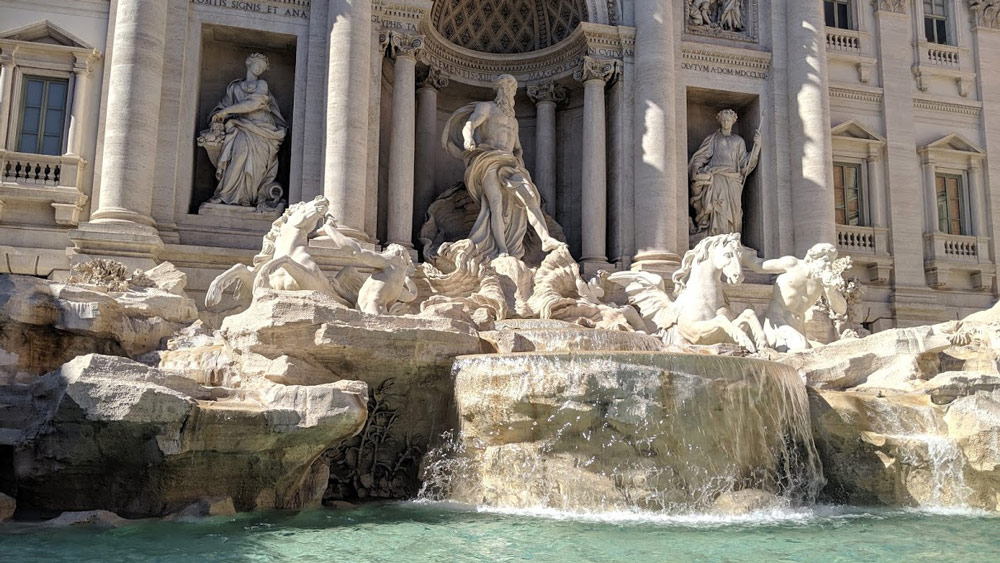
(433, 532)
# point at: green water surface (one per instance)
(412, 532)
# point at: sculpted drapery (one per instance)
(251, 129)
(718, 171)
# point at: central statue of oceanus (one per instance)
(485, 136)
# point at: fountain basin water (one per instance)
(624, 430)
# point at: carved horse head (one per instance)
(719, 253)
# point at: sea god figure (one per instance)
(718, 172)
(242, 141)
(485, 136)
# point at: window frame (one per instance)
(22, 104)
(948, 17)
(852, 24)
(864, 213)
(22, 71)
(964, 213)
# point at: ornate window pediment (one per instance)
(854, 130)
(507, 26)
(953, 143)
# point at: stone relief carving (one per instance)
(485, 136)
(718, 172)
(245, 132)
(895, 6)
(285, 263)
(605, 70)
(800, 285)
(699, 311)
(727, 15)
(985, 13)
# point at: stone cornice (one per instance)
(726, 60)
(855, 94)
(558, 61)
(974, 109)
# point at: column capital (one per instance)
(83, 63)
(552, 92)
(875, 152)
(431, 77)
(605, 70)
(985, 13)
(890, 6)
(7, 56)
(975, 163)
(398, 44)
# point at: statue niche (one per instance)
(245, 131)
(717, 172)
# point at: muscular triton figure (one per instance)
(485, 136)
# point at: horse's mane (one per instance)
(698, 254)
(267, 246)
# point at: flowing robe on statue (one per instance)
(718, 199)
(481, 163)
(248, 161)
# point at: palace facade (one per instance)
(879, 127)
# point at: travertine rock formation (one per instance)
(108, 432)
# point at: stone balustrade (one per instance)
(940, 55)
(946, 254)
(867, 246)
(32, 178)
(843, 40)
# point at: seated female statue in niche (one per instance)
(246, 129)
(718, 171)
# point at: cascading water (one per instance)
(624, 430)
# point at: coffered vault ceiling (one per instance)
(507, 26)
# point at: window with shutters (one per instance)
(849, 194)
(43, 115)
(951, 204)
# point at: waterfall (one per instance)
(624, 430)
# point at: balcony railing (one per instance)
(946, 56)
(55, 180)
(843, 41)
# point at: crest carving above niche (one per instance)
(735, 20)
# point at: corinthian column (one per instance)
(657, 208)
(427, 141)
(134, 86)
(402, 49)
(810, 145)
(346, 166)
(595, 74)
(546, 97)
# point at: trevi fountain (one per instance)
(486, 384)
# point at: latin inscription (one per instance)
(281, 9)
(725, 70)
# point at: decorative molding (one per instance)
(985, 13)
(892, 6)
(431, 77)
(548, 92)
(399, 44)
(605, 70)
(727, 61)
(558, 61)
(750, 32)
(968, 108)
(856, 95)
